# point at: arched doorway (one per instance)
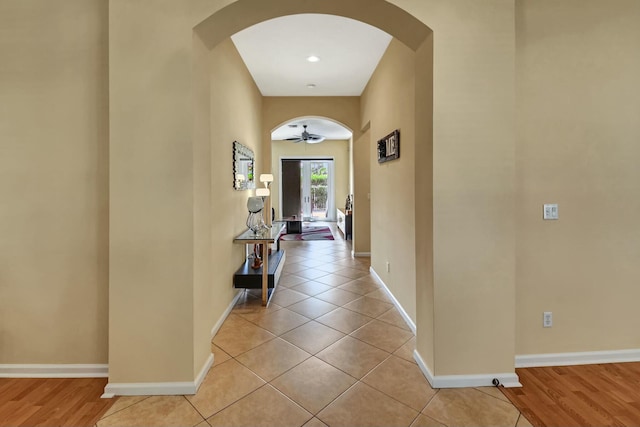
(417, 41)
(327, 159)
(152, 290)
(131, 314)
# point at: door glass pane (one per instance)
(306, 187)
(319, 189)
(305, 211)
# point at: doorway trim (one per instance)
(332, 182)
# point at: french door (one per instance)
(308, 189)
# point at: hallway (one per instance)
(331, 349)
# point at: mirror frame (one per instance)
(243, 163)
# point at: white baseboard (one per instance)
(170, 388)
(448, 381)
(157, 389)
(226, 313)
(361, 254)
(149, 389)
(579, 358)
(203, 372)
(54, 371)
(403, 313)
(424, 368)
(507, 380)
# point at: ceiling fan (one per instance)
(310, 138)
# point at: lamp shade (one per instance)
(266, 177)
(262, 192)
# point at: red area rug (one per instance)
(311, 232)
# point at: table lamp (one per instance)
(267, 179)
(255, 221)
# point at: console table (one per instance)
(293, 225)
(344, 223)
(247, 277)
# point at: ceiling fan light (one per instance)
(315, 140)
(313, 58)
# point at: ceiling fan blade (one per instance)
(311, 138)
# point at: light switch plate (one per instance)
(550, 211)
(547, 319)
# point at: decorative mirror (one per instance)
(243, 167)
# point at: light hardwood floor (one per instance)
(588, 395)
(52, 401)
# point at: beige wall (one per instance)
(53, 182)
(424, 230)
(473, 184)
(362, 193)
(234, 105)
(576, 130)
(338, 150)
(151, 193)
(278, 110)
(578, 107)
(388, 103)
(155, 185)
(202, 189)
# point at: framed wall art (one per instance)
(389, 147)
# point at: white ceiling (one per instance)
(276, 51)
(316, 125)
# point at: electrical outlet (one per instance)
(550, 211)
(388, 267)
(547, 319)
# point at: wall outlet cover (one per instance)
(550, 211)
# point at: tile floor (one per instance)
(331, 349)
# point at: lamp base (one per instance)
(257, 256)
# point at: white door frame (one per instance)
(331, 196)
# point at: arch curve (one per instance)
(311, 117)
(242, 14)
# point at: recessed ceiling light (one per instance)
(311, 86)
(313, 58)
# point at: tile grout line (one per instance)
(392, 397)
(428, 403)
(284, 372)
(196, 409)
(491, 395)
(518, 419)
(235, 401)
(349, 334)
(310, 318)
(337, 397)
(126, 407)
